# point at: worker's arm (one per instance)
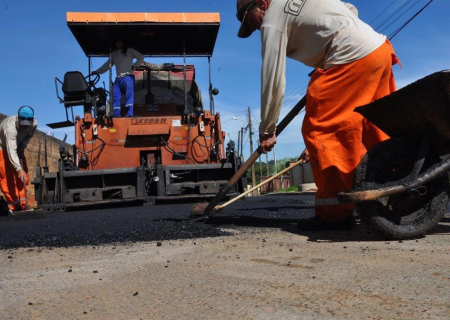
(266, 142)
(139, 58)
(273, 82)
(23, 144)
(105, 67)
(305, 156)
(11, 147)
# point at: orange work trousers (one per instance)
(336, 136)
(12, 188)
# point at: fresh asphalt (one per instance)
(159, 222)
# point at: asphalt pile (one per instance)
(145, 223)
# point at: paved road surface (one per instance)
(153, 262)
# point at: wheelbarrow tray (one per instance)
(401, 189)
(422, 107)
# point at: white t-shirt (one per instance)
(123, 62)
(318, 33)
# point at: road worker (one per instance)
(353, 67)
(15, 133)
(123, 59)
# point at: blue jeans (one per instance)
(124, 85)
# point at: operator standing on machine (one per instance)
(123, 58)
(15, 133)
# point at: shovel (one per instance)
(198, 208)
(24, 180)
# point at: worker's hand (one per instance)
(305, 156)
(94, 73)
(266, 142)
(22, 175)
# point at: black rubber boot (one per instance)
(4, 209)
(315, 224)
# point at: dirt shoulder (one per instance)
(257, 273)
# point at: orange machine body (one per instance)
(171, 148)
(158, 133)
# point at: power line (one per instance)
(401, 15)
(383, 11)
(392, 15)
(411, 19)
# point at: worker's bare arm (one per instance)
(267, 142)
(305, 155)
(22, 175)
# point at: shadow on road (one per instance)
(359, 233)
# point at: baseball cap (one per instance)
(26, 116)
(242, 7)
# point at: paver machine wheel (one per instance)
(406, 215)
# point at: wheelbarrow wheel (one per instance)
(408, 215)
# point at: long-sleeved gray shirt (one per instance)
(319, 33)
(123, 62)
(14, 138)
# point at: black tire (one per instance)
(408, 215)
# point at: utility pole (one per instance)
(238, 143)
(275, 160)
(251, 150)
(242, 140)
(267, 172)
(260, 171)
(260, 166)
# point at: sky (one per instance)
(37, 46)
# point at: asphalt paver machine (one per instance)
(171, 148)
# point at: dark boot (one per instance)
(315, 224)
(4, 209)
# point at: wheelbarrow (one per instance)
(401, 186)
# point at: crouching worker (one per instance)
(15, 133)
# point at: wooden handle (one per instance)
(255, 155)
(301, 161)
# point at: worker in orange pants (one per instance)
(353, 67)
(12, 187)
(15, 133)
(335, 136)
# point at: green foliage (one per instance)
(290, 189)
(258, 172)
